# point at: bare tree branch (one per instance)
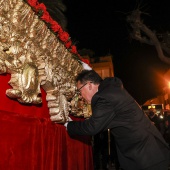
(142, 33)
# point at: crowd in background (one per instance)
(162, 122)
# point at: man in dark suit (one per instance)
(140, 146)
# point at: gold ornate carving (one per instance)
(35, 58)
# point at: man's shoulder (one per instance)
(109, 83)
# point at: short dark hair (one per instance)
(88, 75)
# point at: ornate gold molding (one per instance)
(35, 58)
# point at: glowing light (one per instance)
(168, 84)
(161, 117)
(152, 106)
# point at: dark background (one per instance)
(102, 27)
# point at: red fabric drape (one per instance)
(30, 141)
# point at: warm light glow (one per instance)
(152, 106)
(161, 117)
(168, 84)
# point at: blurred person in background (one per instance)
(154, 118)
(167, 125)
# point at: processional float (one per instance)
(37, 53)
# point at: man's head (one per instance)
(152, 112)
(87, 84)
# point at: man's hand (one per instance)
(65, 124)
(69, 120)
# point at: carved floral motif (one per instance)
(35, 58)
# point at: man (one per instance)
(154, 118)
(140, 146)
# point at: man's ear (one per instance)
(90, 86)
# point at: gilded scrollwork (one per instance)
(36, 59)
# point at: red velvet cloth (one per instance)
(30, 141)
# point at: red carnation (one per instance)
(85, 61)
(41, 7)
(68, 44)
(64, 36)
(46, 17)
(55, 26)
(74, 49)
(32, 3)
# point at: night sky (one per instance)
(101, 27)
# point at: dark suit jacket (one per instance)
(139, 144)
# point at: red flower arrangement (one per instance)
(41, 11)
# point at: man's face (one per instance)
(151, 113)
(85, 90)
